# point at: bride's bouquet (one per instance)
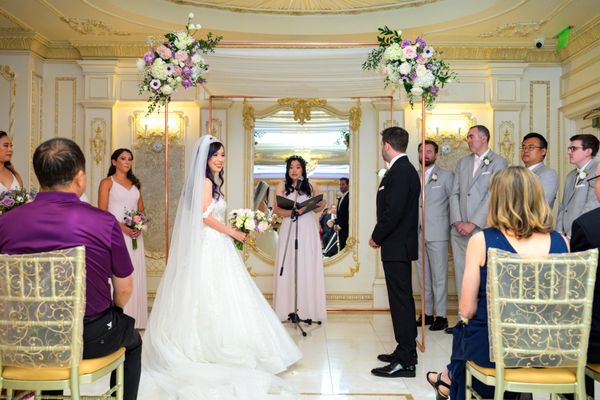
(14, 198)
(135, 220)
(246, 220)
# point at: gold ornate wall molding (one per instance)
(37, 116)
(514, 29)
(506, 144)
(301, 107)
(98, 141)
(9, 75)
(57, 107)
(546, 84)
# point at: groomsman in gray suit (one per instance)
(438, 187)
(578, 195)
(469, 199)
(533, 152)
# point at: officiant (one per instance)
(311, 281)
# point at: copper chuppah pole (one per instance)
(421, 345)
(166, 180)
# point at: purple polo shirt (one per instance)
(58, 220)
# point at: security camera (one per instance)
(539, 42)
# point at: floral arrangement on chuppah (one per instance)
(415, 66)
(174, 63)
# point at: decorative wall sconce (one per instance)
(150, 129)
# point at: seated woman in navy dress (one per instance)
(520, 222)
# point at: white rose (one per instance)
(416, 91)
(404, 68)
(262, 226)
(198, 59)
(166, 90)
(191, 15)
(421, 70)
(381, 173)
(426, 80)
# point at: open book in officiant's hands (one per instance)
(286, 204)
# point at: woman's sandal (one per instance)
(436, 385)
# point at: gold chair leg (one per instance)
(9, 394)
(498, 393)
(468, 383)
(120, 381)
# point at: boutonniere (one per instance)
(382, 173)
(486, 161)
(581, 175)
(433, 177)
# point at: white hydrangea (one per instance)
(182, 40)
(140, 64)
(197, 58)
(421, 70)
(392, 74)
(158, 70)
(425, 80)
(416, 91)
(404, 68)
(249, 225)
(166, 90)
(394, 52)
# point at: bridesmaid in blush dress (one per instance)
(9, 178)
(311, 279)
(120, 192)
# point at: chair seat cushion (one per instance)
(56, 374)
(549, 376)
(594, 367)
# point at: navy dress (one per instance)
(470, 342)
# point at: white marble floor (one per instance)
(339, 355)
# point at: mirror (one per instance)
(322, 136)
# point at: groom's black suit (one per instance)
(396, 233)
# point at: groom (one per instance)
(396, 234)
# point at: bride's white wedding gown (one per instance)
(212, 335)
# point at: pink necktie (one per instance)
(476, 165)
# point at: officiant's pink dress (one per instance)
(120, 199)
(311, 279)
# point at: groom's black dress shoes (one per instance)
(395, 370)
(428, 320)
(390, 358)
(439, 324)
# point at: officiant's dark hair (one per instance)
(57, 161)
(216, 189)
(397, 138)
(113, 169)
(289, 185)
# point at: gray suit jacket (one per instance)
(437, 212)
(549, 179)
(577, 200)
(469, 199)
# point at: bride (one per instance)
(211, 334)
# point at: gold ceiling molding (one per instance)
(514, 29)
(21, 26)
(301, 107)
(304, 7)
(248, 116)
(590, 34)
(91, 27)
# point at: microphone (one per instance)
(299, 183)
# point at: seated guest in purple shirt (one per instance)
(57, 219)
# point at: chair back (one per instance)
(539, 308)
(42, 302)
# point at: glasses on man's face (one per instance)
(530, 147)
(573, 148)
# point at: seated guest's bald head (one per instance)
(57, 163)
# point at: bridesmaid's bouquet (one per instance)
(135, 220)
(246, 220)
(14, 198)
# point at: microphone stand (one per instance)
(293, 317)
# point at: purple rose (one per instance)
(149, 57)
(186, 71)
(405, 42)
(412, 76)
(421, 42)
(434, 90)
(186, 83)
(428, 66)
(7, 202)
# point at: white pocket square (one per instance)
(486, 173)
(436, 187)
(380, 188)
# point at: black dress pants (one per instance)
(398, 278)
(107, 333)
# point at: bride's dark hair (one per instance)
(216, 189)
(289, 185)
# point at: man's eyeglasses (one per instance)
(530, 147)
(573, 148)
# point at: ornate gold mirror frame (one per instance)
(301, 109)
